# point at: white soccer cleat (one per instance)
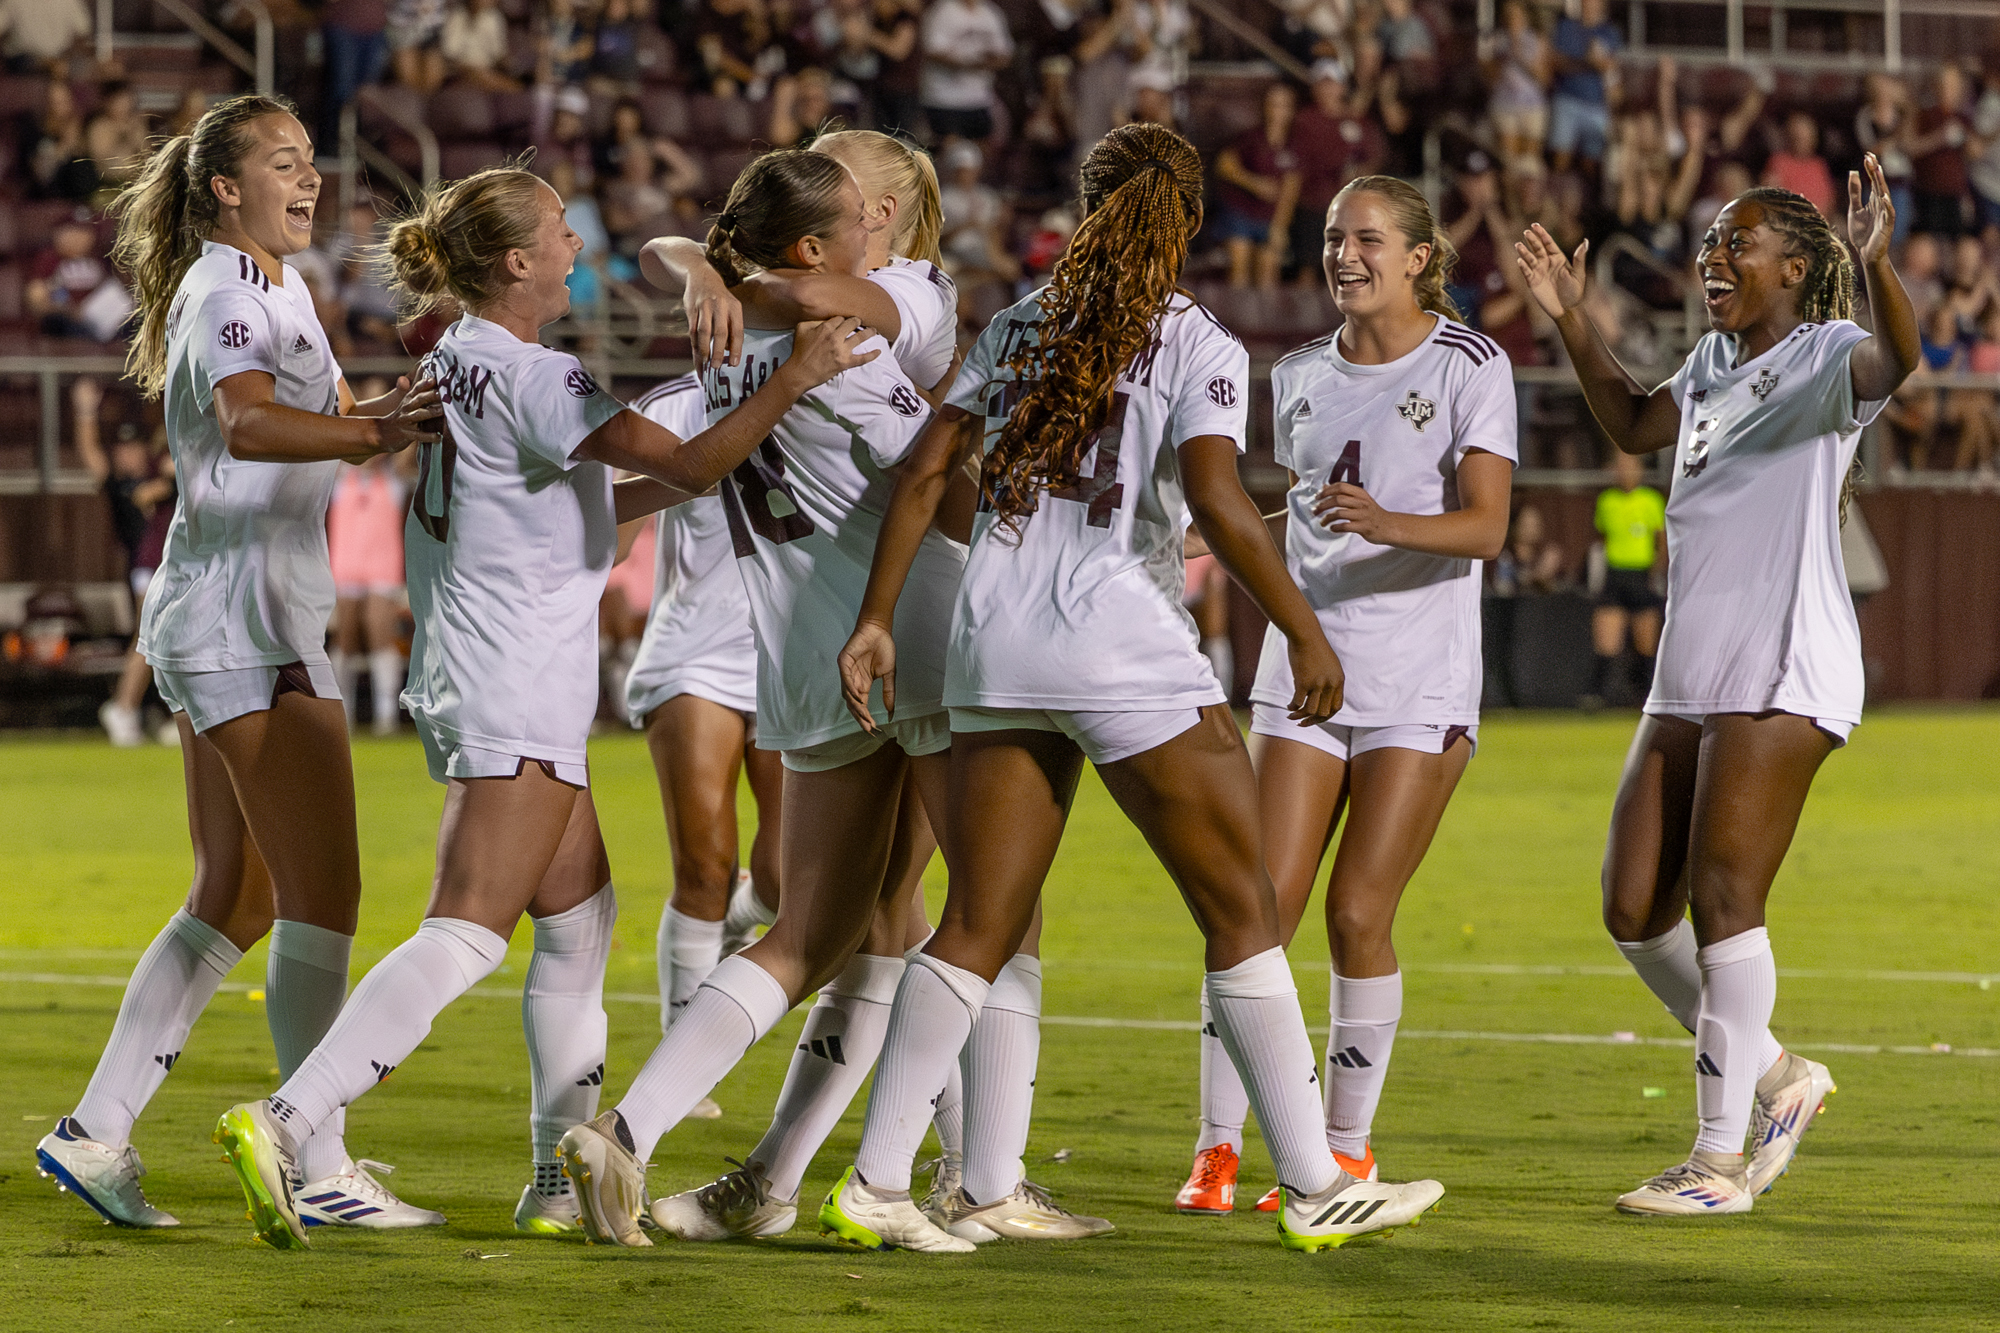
(946, 1200)
(738, 1206)
(352, 1197)
(1705, 1184)
(745, 916)
(104, 1177)
(705, 1109)
(1029, 1213)
(873, 1219)
(255, 1148)
(1780, 1117)
(609, 1180)
(542, 1214)
(1350, 1209)
(122, 725)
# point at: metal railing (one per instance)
(1736, 50)
(355, 150)
(260, 66)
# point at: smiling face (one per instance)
(543, 269)
(844, 247)
(275, 190)
(1744, 270)
(1370, 265)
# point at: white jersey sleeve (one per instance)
(1833, 381)
(1483, 412)
(1213, 395)
(560, 405)
(235, 332)
(927, 301)
(880, 406)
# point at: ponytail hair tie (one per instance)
(1157, 162)
(727, 222)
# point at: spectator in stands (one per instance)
(474, 46)
(1798, 167)
(1257, 186)
(1530, 564)
(800, 104)
(1650, 186)
(1979, 420)
(894, 33)
(1332, 143)
(1311, 29)
(614, 52)
(1882, 126)
(1042, 170)
(412, 34)
(1162, 34)
(115, 138)
(1970, 302)
(1149, 96)
(1941, 183)
(1580, 111)
(976, 220)
(371, 310)
(1101, 39)
(58, 166)
(1912, 413)
(193, 105)
(41, 32)
(568, 138)
(1632, 519)
(1408, 45)
(965, 43)
(71, 292)
(1985, 168)
(734, 47)
(644, 179)
(1487, 284)
(138, 485)
(563, 43)
(357, 51)
(1518, 65)
(593, 261)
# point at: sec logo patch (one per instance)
(905, 401)
(1222, 391)
(235, 335)
(580, 383)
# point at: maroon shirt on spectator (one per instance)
(1330, 153)
(357, 16)
(1943, 171)
(1479, 268)
(1254, 151)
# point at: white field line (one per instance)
(1164, 1024)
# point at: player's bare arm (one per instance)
(1879, 365)
(1476, 531)
(257, 428)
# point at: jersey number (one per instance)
(768, 506)
(1101, 493)
(1348, 468)
(432, 504)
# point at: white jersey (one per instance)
(509, 541)
(698, 638)
(244, 580)
(1758, 613)
(927, 300)
(1405, 624)
(1083, 611)
(804, 511)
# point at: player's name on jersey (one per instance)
(719, 384)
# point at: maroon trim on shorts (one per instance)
(293, 678)
(1452, 736)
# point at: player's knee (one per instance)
(1359, 925)
(702, 884)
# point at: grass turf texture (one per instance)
(1887, 1219)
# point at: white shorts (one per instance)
(1836, 731)
(448, 759)
(1104, 738)
(1344, 742)
(929, 734)
(211, 698)
(644, 694)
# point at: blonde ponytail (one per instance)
(886, 165)
(1412, 215)
(450, 251)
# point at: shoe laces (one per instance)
(1038, 1195)
(1686, 1174)
(1208, 1171)
(129, 1163)
(740, 1190)
(364, 1174)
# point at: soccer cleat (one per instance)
(1706, 1183)
(609, 1180)
(1211, 1184)
(1350, 1209)
(1029, 1213)
(858, 1214)
(1362, 1168)
(947, 1174)
(104, 1177)
(255, 1149)
(1779, 1118)
(122, 725)
(352, 1197)
(738, 1206)
(547, 1215)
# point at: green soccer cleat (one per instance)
(255, 1149)
(858, 1214)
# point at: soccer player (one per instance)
(258, 418)
(1630, 517)
(1107, 407)
(1398, 432)
(1759, 675)
(512, 531)
(803, 514)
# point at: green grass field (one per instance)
(1885, 927)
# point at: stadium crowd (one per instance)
(641, 112)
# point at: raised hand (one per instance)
(1556, 283)
(1870, 225)
(825, 348)
(870, 655)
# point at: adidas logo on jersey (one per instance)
(829, 1049)
(300, 345)
(382, 1071)
(1304, 411)
(1417, 410)
(1704, 1065)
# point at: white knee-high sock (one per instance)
(746, 909)
(1739, 987)
(386, 674)
(1365, 1012)
(305, 983)
(1224, 1104)
(347, 671)
(1005, 1047)
(1255, 1006)
(735, 1007)
(935, 1010)
(687, 950)
(385, 1019)
(174, 981)
(562, 1016)
(1666, 963)
(842, 1037)
(948, 1113)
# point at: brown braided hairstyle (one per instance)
(1828, 291)
(1142, 188)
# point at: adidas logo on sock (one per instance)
(1208, 1030)
(382, 1071)
(829, 1049)
(594, 1079)
(1352, 1058)
(166, 1061)
(1704, 1065)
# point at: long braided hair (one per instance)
(1142, 188)
(1828, 291)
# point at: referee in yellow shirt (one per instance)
(1632, 518)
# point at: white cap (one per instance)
(1328, 68)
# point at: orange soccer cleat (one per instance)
(1211, 1186)
(1364, 1169)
